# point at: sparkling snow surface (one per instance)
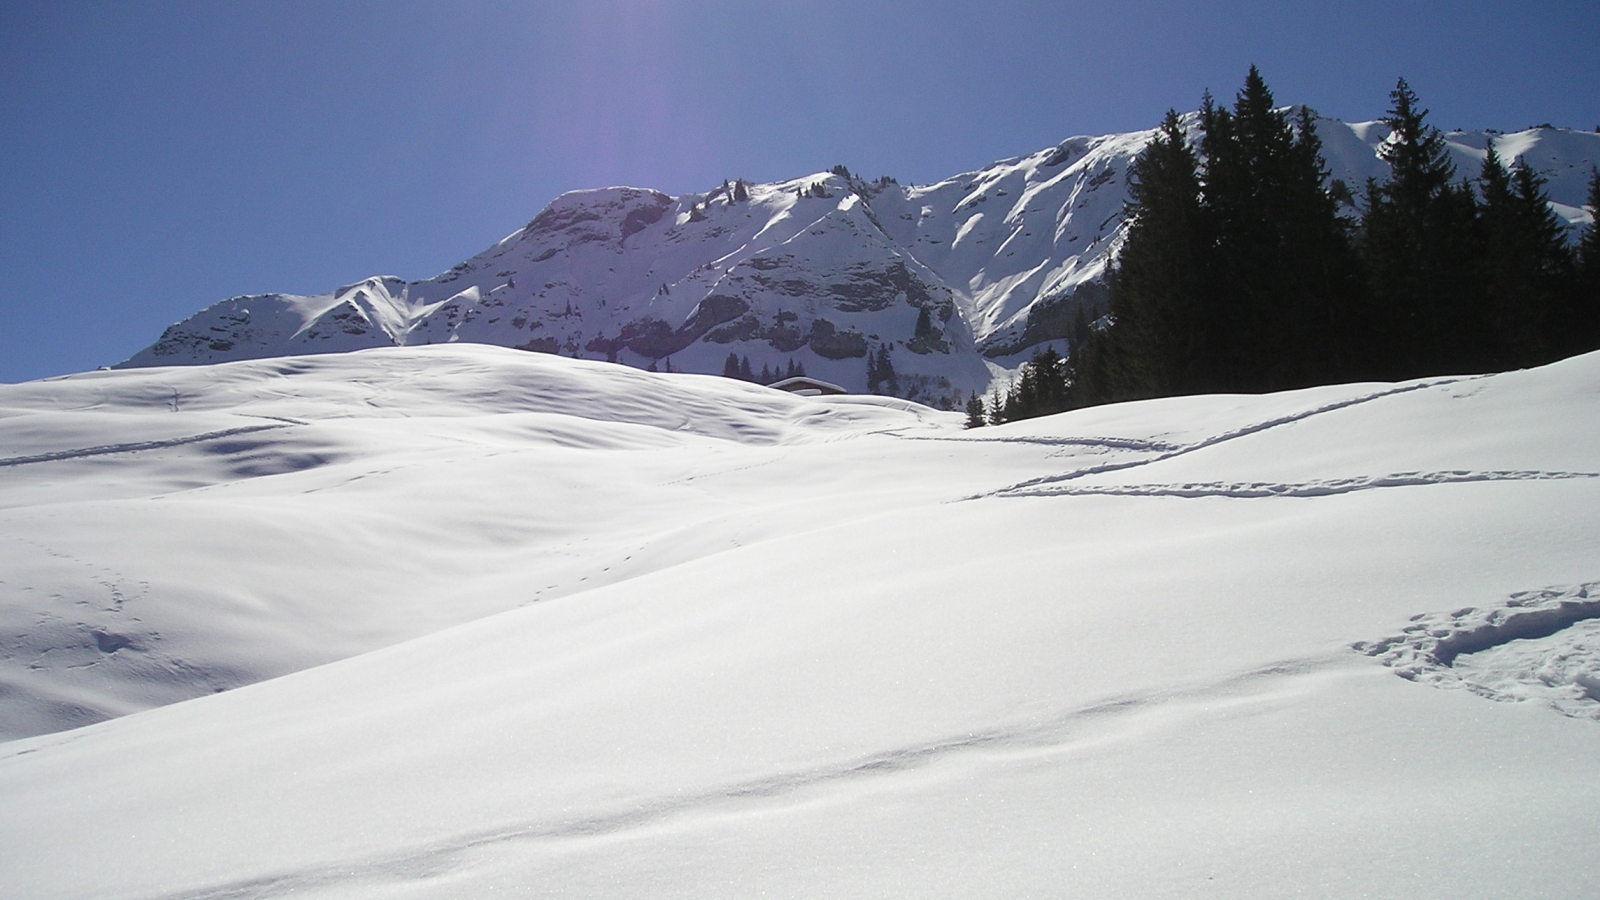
(508, 624)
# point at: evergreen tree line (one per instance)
(1042, 387)
(739, 367)
(1239, 274)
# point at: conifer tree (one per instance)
(1322, 270)
(1589, 244)
(1553, 261)
(1419, 245)
(976, 417)
(1155, 288)
(880, 372)
(744, 369)
(1278, 256)
(1526, 268)
(730, 369)
(1040, 388)
(1584, 297)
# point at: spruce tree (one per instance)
(1155, 287)
(1526, 269)
(1419, 246)
(880, 372)
(1582, 308)
(1279, 256)
(976, 417)
(1322, 271)
(730, 369)
(1589, 244)
(1040, 388)
(744, 369)
(1552, 261)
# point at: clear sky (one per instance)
(156, 157)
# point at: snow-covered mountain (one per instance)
(957, 279)
(556, 628)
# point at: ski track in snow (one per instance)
(136, 446)
(1107, 443)
(1036, 487)
(1325, 488)
(1058, 733)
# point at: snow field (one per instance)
(800, 647)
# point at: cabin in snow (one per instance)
(807, 387)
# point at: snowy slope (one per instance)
(818, 271)
(676, 636)
(332, 487)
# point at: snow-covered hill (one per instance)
(556, 628)
(953, 278)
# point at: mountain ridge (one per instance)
(950, 282)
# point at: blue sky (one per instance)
(156, 157)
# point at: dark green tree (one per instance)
(1277, 278)
(976, 417)
(1589, 244)
(1040, 388)
(1584, 302)
(1156, 303)
(1527, 269)
(730, 368)
(1090, 370)
(881, 376)
(1419, 244)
